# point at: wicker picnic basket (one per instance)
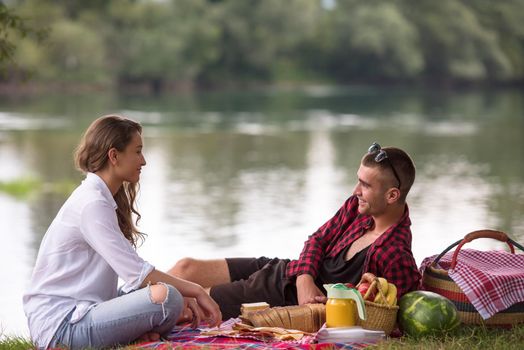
(436, 279)
(379, 316)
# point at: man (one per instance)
(369, 233)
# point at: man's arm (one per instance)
(403, 272)
(315, 248)
(307, 290)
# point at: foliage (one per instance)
(372, 40)
(20, 188)
(13, 26)
(24, 187)
(254, 35)
(76, 53)
(455, 44)
(159, 48)
(204, 42)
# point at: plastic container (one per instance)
(348, 335)
(342, 306)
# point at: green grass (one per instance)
(466, 338)
(15, 343)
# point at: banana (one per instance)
(383, 286)
(379, 299)
(391, 297)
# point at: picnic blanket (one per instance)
(188, 338)
(491, 280)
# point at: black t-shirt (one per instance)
(338, 270)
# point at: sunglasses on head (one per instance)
(381, 155)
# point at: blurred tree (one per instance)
(445, 41)
(372, 40)
(226, 42)
(73, 9)
(13, 27)
(157, 43)
(77, 52)
(455, 45)
(254, 35)
(73, 51)
(504, 19)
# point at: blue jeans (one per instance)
(120, 320)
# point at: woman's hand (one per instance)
(210, 310)
(195, 313)
(196, 299)
(191, 312)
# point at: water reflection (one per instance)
(240, 174)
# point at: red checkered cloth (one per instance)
(491, 280)
(187, 338)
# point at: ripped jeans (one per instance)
(121, 320)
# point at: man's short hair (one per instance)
(403, 164)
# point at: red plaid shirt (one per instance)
(389, 256)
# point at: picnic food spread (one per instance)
(345, 307)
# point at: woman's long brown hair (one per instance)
(112, 131)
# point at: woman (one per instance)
(73, 299)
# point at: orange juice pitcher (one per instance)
(342, 306)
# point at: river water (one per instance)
(254, 173)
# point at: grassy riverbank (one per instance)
(466, 338)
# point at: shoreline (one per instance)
(40, 88)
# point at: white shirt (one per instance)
(80, 259)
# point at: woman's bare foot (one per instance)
(149, 336)
(186, 315)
